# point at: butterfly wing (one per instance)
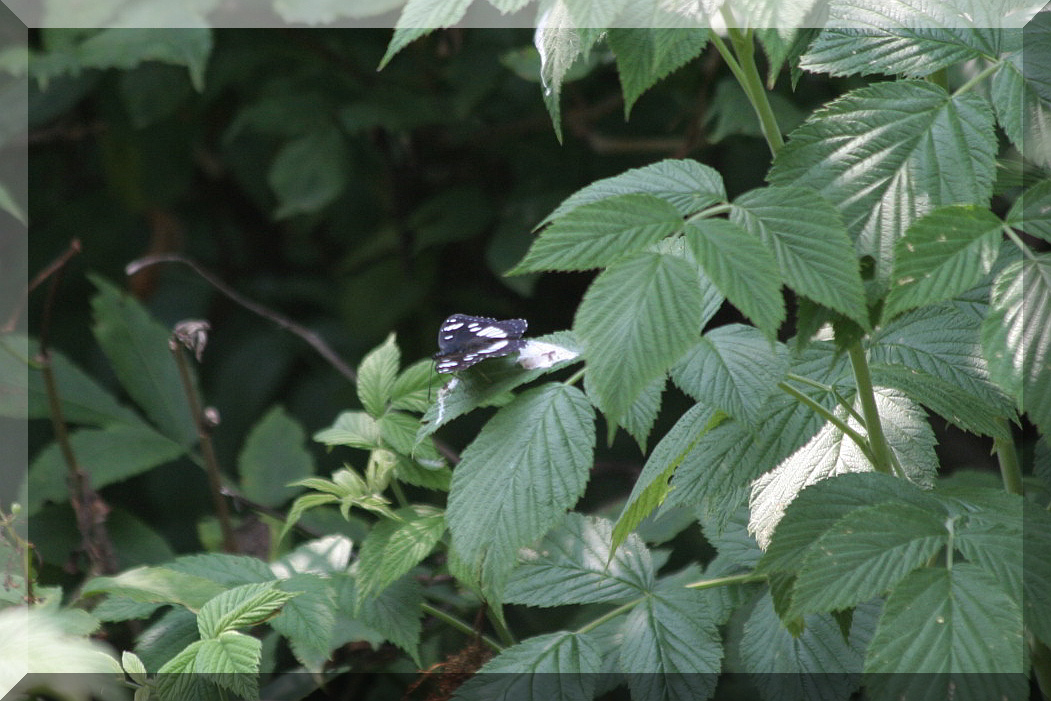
(465, 340)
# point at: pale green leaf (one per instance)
(156, 585)
(525, 468)
(596, 234)
(942, 254)
(316, 12)
(866, 553)
(393, 548)
(810, 242)
(646, 55)
(1031, 212)
(231, 660)
(948, 632)
(240, 607)
(322, 556)
(108, 455)
(308, 620)
(574, 564)
(128, 47)
(631, 339)
(560, 665)
(1021, 108)
(886, 154)
(377, 374)
(228, 570)
(137, 347)
(352, 428)
(421, 17)
(688, 185)
(742, 268)
(671, 646)
(272, 456)
(878, 47)
(9, 205)
(415, 387)
(734, 368)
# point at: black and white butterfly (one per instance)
(465, 340)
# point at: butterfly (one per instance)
(465, 340)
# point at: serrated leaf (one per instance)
(560, 665)
(108, 455)
(272, 456)
(526, 467)
(377, 374)
(228, 570)
(651, 486)
(810, 242)
(188, 45)
(947, 632)
(671, 646)
(352, 428)
(734, 368)
(232, 661)
(831, 453)
(137, 347)
(820, 663)
(300, 506)
(742, 268)
(783, 49)
(393, 548)
(240, 607)
(1022, 110)
(915, 52)
(886, 154)
(574, 564)
(942, 254)
(688, 185)
(309, 172)
(638, 420)
(421, 17)
(1031, 212)
(1016, 336)
(598, 233)
(645, 56)
(865, 553)
(819, 507)
(156, 585)
(395, 613)
(1036, 553)
(308, 619)
(411, 389)
(941, 397)
(631, 339)
(942, 340)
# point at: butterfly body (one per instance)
(465, 340)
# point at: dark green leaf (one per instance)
(309, 172)
(1031, 212)
(645, 56)
(395, 547)
(272, 456)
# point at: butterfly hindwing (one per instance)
(465, 340)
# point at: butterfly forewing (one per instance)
(465, 340)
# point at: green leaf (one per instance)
(645, 56)
(820, 663)
(730, 113)
(301, 505)
(231, 660)
(225, 569)
(734, 368)
(886, 154)
(810, 242)
(742, 268)
(1021, 109)
(1031, 212)
(318, 12)
(575, 564)
(157, 585)
(419, 18)
(831, 453)
(393, 548)
(309, 172)
(137, 347)
(598, 233)
(651, 486)
(376, 377)
(126, 48)
(639, 419)
(411, 389)
(560, 665)
(942, 340)
(526, 467)
(241, 607)
(941, 397)
(865, 553)
(878, 47)
(671, 647)
(942, 254)
(108, 455)
(352, 428)
(631, 339)
(272, 456)
(9, 205)
(819, 507)
(1036, 552)
(395, 613)
(688, 185)
(308, 620)
(948, 632)
(1016, 336)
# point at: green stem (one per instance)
(979, 77)
(879, 452)
(839, 423)
(459, 625)
(840, 399)
(575, 377)
(726, 581)
(610, 615)
(1007, 456)
(501, 628)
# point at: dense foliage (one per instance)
(775, 269)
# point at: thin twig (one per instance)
(51, 269)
